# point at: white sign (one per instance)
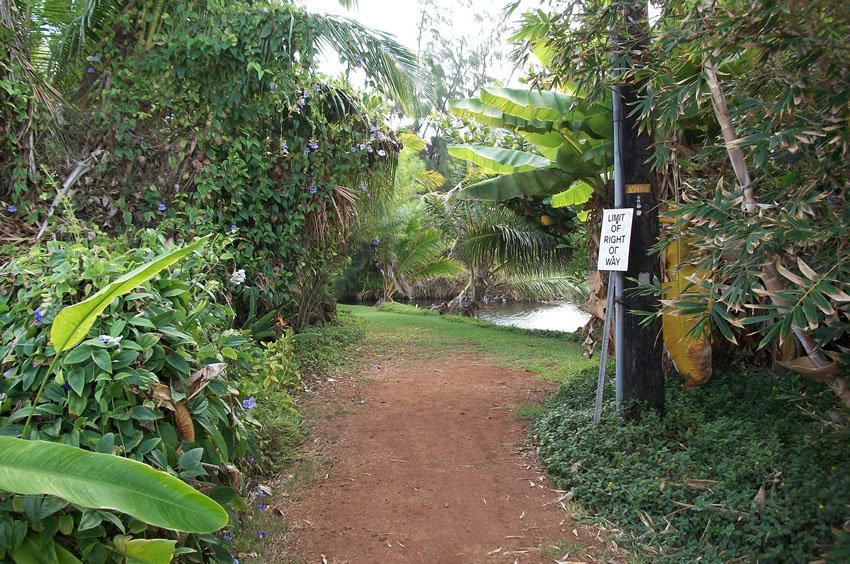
(615, 239)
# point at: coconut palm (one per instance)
(498, 246)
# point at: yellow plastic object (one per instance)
(691, 354)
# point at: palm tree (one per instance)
(408, 252)
(498, 246)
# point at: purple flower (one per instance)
(373, 129)
(363, 187)
(38, 316)
(358, 60)
(262, 506)
(312, 189)
(307, 150)
(314, 145)
(227, 537)
(284, 149)
(353, 149)
(94, 58)
(273, 87)
(249, 403)
(262, 534)
(161, 207)
(305, 95)
(110, 341)
(260, 492)
(233, 228)
(89, 69)
(369, 149)
(249, 458)
(66, 387)
(11, 209)
(301, 102)
(362, 146)
(382, 153)
(317, 88)
(376, 242)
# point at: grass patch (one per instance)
(400, 329)
(321, 350)
(746, 467)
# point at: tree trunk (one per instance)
(643, 377)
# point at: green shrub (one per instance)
(147, 384)
(748, 467)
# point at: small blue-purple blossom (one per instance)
(362, 146)
(305, 95)
(227, 537)
(363, 187)
(358, 60)
(260, 492)
(284, 149)
(374, 128)
(312, 189)
(382, 153)
(307, 150)
(262, 506)
(94, 58)
(110, 341)
(89, 69)
(249, 403)
(38, 316)
(353, 150)
(249, 458)
(314, 145)
(162, 207)
(369, 149)
(11, 208)
(66, 387)
(302, 102)
(376, 242)
(262, 534)
(317, 88)
(233, 228)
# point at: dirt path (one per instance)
(429, 464)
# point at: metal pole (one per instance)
(618, 278)
(603, 358)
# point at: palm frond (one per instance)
(393, 67)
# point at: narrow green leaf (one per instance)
(73, 323)
(106, 481)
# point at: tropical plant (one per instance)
(496, 245)
(145, 382)
(569, 154)
(408, 252)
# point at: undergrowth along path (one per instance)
(425, 457)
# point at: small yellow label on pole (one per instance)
(638, 189)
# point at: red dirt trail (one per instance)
(429, 463)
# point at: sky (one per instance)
(401, 19)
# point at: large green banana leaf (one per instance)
(106, 481)
(475, 109)
(73, 323)
(498, 160)
(576, 195)
(545, 105)
(145, 551)
(507, 186)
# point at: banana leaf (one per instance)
(576, 195)
(105, 481)
(535, 105)
(498, 160)
(507, 186)
(475, 109)
(73, 323)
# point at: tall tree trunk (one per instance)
(643, 377)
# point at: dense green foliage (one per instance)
(147, 383)
(751, 467)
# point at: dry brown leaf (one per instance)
(199, 380)
(807, 270)
(183, 421)
(788, 274)
(235, 476)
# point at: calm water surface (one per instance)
(556, 316)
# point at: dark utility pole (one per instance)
(643, 379)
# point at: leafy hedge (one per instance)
(156, 381)
(751, 467)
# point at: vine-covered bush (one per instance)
(156, 381)
(222, 124)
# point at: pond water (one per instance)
(555, 316)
